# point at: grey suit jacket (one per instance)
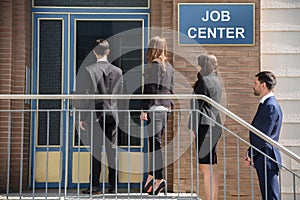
(209, 86)
(158, 81)
(99, 78)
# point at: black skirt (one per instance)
(208, 137)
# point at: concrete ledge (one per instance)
(121, 196)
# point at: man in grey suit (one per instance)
(268, 119)
(100, 78)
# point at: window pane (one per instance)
(50, 79)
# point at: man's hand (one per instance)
(144, 116)
(194, 133)
(247, 160)
(83, 125)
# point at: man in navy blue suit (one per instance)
(268, 119)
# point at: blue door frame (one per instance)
(68, 19)
(35, 90)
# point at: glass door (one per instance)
(62, 43)
(127, 37)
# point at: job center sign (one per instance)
(216, 24)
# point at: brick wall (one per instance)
(14, 56)
(237, 67)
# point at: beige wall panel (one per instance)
(280, 42)
(282, 65)
(288, 88)
(287, 179)
(54, 166)
(295, 165)
(290, 131)
(282, 19)
(291, 111)
(133, 163)
(84, 167)
(280, 53)
(280, 4)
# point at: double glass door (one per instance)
(62, 43)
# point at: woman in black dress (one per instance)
(205, 119)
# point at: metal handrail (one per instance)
(176, 96)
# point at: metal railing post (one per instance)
(21, 154)
(8, 155)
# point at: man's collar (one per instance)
(270, 94)
(104, 58)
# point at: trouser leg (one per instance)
(155, 131)
(97, 144)
(272, 190)
(109, 126)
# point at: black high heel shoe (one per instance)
(161, 188)
(149, 187)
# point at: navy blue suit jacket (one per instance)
(268, 120)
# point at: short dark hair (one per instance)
(268, 78)
(101, 47)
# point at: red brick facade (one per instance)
(15, 31)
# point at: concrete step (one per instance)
(119, 196)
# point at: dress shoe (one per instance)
(111, 190)
(95, 191)
(149, 187)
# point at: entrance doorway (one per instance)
(55, 144)
(127, 52)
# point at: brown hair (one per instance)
(157, 50)
(208, 64)
(268, 78)
(101, 47)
